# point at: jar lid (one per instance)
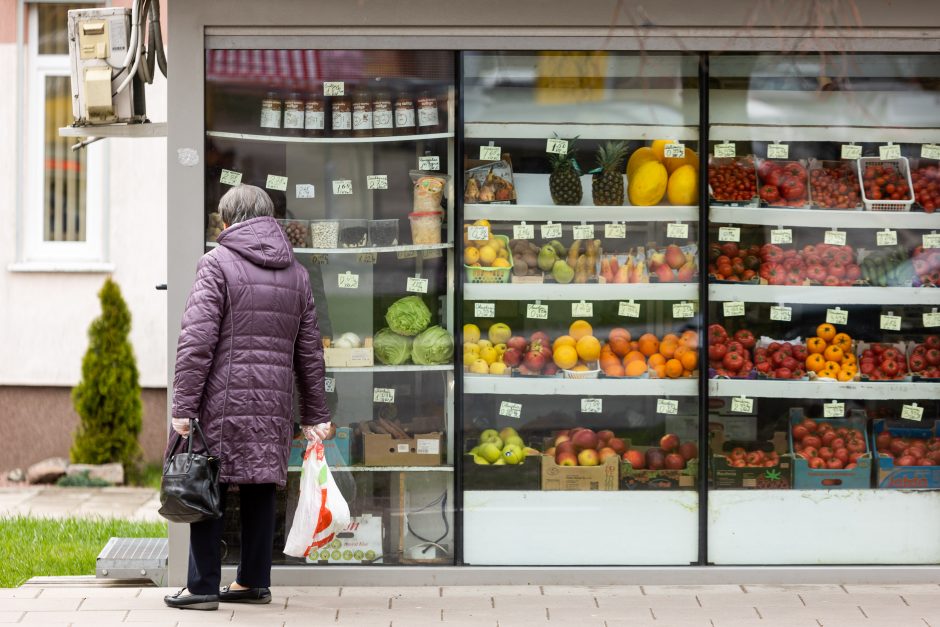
(425, 214)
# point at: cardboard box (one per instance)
(664, 479)
(425, 449)
(604, 477)
(359, 543)
(806, 478)
(337, 449)
(726, 476)
(524, 476)
(348, 357)
(890, 475)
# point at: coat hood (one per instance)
(259, 240)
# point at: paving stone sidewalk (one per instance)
(494, 606)
(52, 502)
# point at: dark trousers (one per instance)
(257, 540)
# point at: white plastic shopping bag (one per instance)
(321, 510)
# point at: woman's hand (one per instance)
(181, 426)
(318, 433)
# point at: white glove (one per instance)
(181, 426)
(317, 433)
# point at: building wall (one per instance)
(44, 317)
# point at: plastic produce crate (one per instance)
(491, 275)
(903, 165)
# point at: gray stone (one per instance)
(16, 475)
(112, 473)
(47, 471)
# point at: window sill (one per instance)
(82, 267)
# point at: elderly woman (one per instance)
(249, 329)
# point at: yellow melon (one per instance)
(674, 163)
(659, 148)
(683, 186)
(648, 184)
(638, 158)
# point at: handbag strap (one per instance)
(195, 428)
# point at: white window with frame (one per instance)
(64, 215)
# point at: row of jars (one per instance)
(364, 114)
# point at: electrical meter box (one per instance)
(98, 49)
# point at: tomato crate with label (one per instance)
(672, 465)
(763, 465)
(908, 458)
(829, 453)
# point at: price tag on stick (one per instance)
(742, 405)
(582, 310)
(592, 405)
(432, 164)
(834, 238)
(277, 183)
(733, 308)
(536, 311)
(478, 233)
(523, 231)
(490, 153)
(550, 231)
(484, 310)
(889, 151)
(837, 316)
(912, 412)
(347, 280)
(890, 322)
(510, 410)
(781, 313)
(583, 231)
(834, 409)
(683, 310)
(383, 395)
(230, 178)
(677, 230)
(557, 146)
(304, 190)
(628, 309)
(729, 234)
(367, 257)
(667, 406)
(781, 236)
(930, 151)
(674, 151)
(851, 151)
(932, 319)
(342, 187)
(886, 238)
(416, 284)
(778, 151)
(931, 240)
(615, 230)
(377, 181)
(725, 149)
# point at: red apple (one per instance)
(688, 450)
(585, 439)
(669, 442)
(618, 445)
(566, 459)
(674, 461)
(636, 459)
(655, 459)
(606, 452)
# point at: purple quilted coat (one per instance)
(249, 327)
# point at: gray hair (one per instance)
(244, 202)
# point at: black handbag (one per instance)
(189, 491)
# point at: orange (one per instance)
(689, 360)
(815, 345)
(668, 348)
(682, 350)
(565, 357)
(670, 337)
(579, 329)
(832, 366)
(833, 353)
(826, 331)
(633, 356)
(608, 361)
(649, 344)
(660, 371)
(673, 368)
(615, 370)
(589, 348)
(634, 345)
(619, 332)
(635, 368)
(815, 362)
(580, 368)
(843, 341)
(656, 359)
(686, 373)
(619, 345)
(689, 338)
(564, 340)
(845, 375)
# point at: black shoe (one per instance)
(192, 601)
(250, 595)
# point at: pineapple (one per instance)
(565, 180)
(607, 185)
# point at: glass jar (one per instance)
(294, 115)
(362, 113)
(271, 113)
(342, 116)
(404, 114)
(383, 115)
(428, 118)
(315, 116)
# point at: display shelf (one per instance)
(383, 468)
(117, 130)
(824, 390)
(403, 368)
(766, 216)
(825, 295)
(359, 251)
(743, 523)
(535, 204)
(326, 140)
(512, 129)
(822, 132)
(545, 386)
(523, 527)
(581, 291)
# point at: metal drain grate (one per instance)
(134, 558)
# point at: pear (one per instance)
(562, 272)
(560, 249)
(547, 258)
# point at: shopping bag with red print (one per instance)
(321, 510)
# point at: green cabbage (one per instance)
(391, 348)
(408, 316)
(432, 346)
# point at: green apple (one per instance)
(489, 434)
(500, 462)
(513, 454)
(490, 452)
(514, 440)
(507, 433)
(479, 460)
(475, 450)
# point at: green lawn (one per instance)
(42, 546)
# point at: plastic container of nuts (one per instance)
(383, 232)
(324, 233)
(297, 232)
(354, 233)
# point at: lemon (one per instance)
(482, 222)
(638, 158)
(488, 355)
(501, 263)
(471, 333)
(488, 255)
(496, 242)
(683, 186)
(471, 255)
(497, 367)
(502, 255)
(648, 184)
(479, 367)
